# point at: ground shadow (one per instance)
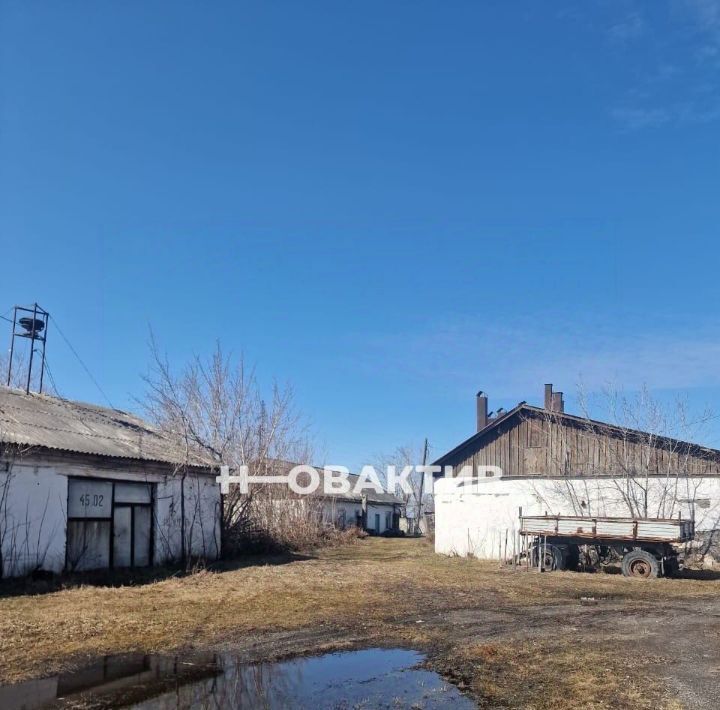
(43, 582)
(708, 575)
(700, 574)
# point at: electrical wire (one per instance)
(80, 360)
(5, 315)
(56, 391)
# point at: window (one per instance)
(109, 524)
(536, 434)
(89, 524)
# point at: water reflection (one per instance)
(370, 678)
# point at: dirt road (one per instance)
(508, 639)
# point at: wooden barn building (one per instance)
(547, 441)
(551, 461)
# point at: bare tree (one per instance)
(18, 374)
(217, 409)
(6, 475)
(641, 457)
(19, 371)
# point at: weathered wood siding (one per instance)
(530, 444)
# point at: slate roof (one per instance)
(38, 420)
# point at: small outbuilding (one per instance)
(84, 487)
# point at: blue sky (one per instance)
(390, 205)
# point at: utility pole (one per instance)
(422, 486)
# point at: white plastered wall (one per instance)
(202, 518)
(33, 512)
(382, 510)
(475, 519)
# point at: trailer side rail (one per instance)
(598, 528)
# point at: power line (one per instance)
(80, 360)
(52, 379)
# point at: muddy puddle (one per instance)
(371, 678)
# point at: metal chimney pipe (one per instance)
(482, 410)
(558, 402)
(548, 397)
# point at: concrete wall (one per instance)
(474, 520)
(33, 511)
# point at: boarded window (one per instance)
(536, 434)
(132, 493)
(88, 544)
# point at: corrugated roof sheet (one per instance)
(63, 425)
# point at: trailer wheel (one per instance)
(551, 555)
(639, 563)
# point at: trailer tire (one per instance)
(553, 558)
(639, 563)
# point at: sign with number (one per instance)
(89, 499)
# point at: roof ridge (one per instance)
(574, 417)
(54, 423)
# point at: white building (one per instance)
(85, 487)
(553, 462)
(479, 518)
(377, 512)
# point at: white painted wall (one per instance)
(383, 510)
(33, 513)
(473, 519)
(202, 518)
(33, 505)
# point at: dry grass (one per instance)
(548, 675)
(372, 588)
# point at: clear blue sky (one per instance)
(389, 204)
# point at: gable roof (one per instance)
(38, 420)
(572, 419)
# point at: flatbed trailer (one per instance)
(645, 546)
